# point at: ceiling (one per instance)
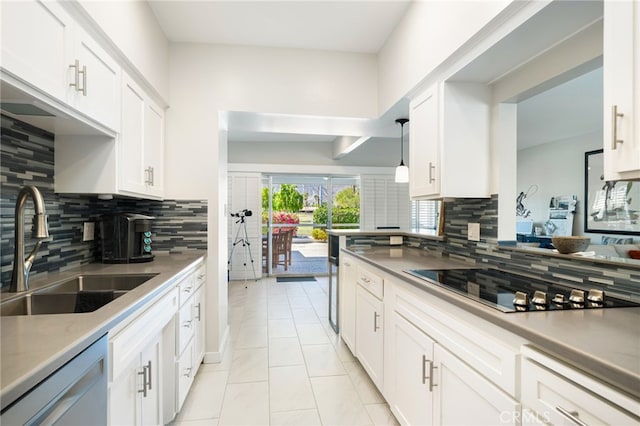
(349, 26)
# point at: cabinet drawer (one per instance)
(187, 288)
(129, 342)
(185, 374)
(474, 344)
(186, 326)
(200, 276)
(371, 281)
(556, 399)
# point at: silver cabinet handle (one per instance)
(187, 289)
(149, 371)
(188, 372)
(76, 75)
(375, 321)
(424, 369)
(198, 307)
(431, 368)
(187, 324)
(431, 169)
(614, 127)
(571, 415)
(201, 276)
(84, 80)
(153, 176)
(143, 373)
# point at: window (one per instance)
(425, 215)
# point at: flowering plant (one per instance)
(285, 218)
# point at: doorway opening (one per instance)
(297, 211)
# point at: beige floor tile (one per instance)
(312, 334)
(252, 336)
(257, 316)
(367, 391)
(296, 418)
(343, 351)
(282, 328)
(290, 389)
(305, 315)
(381, 415)
(245, 404)
(249, 365)
(204, 400)
(279, 311)
(285, 351)
(205, 422)
(322, 360)
(338, 402)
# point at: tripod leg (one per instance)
(246, 238)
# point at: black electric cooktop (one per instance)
(509, 292)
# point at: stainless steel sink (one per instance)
(85, 293)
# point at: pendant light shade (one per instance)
(402, 171)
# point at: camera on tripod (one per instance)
(242, 213)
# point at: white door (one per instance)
(154, 149)
(347, 284)
(124, 406)
(424, 152)
(463, 397)
(369, 334)
(151, 400)
(410, 390)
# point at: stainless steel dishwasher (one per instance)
(334, 286)
(75, 394)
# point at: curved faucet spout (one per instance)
(40, 231)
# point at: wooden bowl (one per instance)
(574, 244)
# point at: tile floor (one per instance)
(284, 365)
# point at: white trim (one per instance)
(216, 357)
(308, 169)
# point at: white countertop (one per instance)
(32, 347)
(603, 342)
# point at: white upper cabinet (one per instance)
(141, 142)
(621, 92)
(45, 49)
(449, 141)
(38, 52)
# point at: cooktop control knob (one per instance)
(595, 296)
(521, 299)
(539, 298)
(560, 299)
(576, 296)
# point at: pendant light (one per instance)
(402, 171)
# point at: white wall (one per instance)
(428, 34)
(207, 79)
(557, 168)
(133, 27)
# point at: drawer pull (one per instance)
(375, 321)
(187, 372)
(424, 369)
(614, 127)
(431, 368)
(143, 373)
(431, 169)
(571, 415)
(187, 324)
(198, 317)
(149, 370)
(201, 276)
(187, 289)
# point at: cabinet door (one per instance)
(99, 93)
(369, 334)
(410, 391)
(124, 406)
(424, 152)
(463, 397)
(348, 277)
(198, 318)
(37, 43)
(132, 169)
(621, 80)
(154, 148)
(151, 402)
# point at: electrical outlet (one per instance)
(473, 231)
(88, 231)
(395, 240)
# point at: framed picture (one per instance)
(612, 207)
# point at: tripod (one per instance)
(246, 245)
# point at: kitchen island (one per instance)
(34, 346)
(605, 343)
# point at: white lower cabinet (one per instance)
(369, 334)
(409, 384)
(556, 394)
(135, 396)
(348, 275)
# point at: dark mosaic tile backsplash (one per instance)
(26, 158)
(621, 280)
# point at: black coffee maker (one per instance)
(126, 238)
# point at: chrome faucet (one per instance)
(40, 231)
